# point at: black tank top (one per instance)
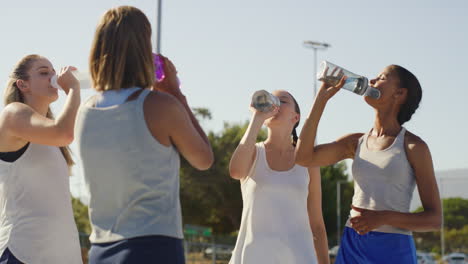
(14, 155)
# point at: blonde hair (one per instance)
(121, 55)
(13, 94)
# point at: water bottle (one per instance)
(158, 67)
(331, 74)
(82, 77)
(264, 101)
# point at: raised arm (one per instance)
(314, 208)
(173, 110)
(21, 123)
(243, 157)
(185, 132)
(309, 155)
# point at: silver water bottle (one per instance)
(331, 74)
(264, 101)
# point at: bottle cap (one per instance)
(373, 93)
(54, 83)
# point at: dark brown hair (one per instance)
(414, 94)
(121, 54)
(294, 132)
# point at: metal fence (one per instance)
(207, 253)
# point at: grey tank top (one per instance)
(383, 180)
(132, 179)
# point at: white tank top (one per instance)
(383, 179)
(133, 180)
(36, 217)
(275, 224)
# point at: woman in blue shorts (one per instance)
(388, 162)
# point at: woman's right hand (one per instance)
(262, 116)
(67, 80)
(244, 155)
(327, 91)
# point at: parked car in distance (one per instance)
(222, 252)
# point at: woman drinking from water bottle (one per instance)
(389, 162)
(282, 202)
(36, 216)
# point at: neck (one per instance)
(279, 139)
(386, 123)
(39, 106)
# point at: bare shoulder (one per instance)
(417, 151)
(16, 108)
(10, 117)
(415, 144)
(351, 141)
(13, 112)
(164, 115)
(352, 137)
(162, 102)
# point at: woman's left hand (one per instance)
(367, 221)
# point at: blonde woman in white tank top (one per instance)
(282, 215)
(388, 163)
(36, 217)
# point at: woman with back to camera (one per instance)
(36, 216)
(388, 162)
(129, 139)
(282, 202)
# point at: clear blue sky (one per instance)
(225, 50)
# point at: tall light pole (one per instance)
(442, 237)
(338, 210)
(158, 28)
(442, 231)
(315, 45)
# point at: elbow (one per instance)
(302, 160)
(436, 223)
(206, 162)
(66, 138)
(235, 173)
(65, 134)
(204, 165)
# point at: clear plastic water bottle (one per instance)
(331, 74)
(82, 77)
(264, 101)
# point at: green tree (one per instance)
(455, 228)
(201, 113)
(455, 213)
(457, 239)
(80, 212)
(330, 176)
(212, 198)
